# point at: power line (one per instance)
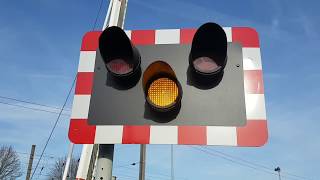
(65, 102)
(148, 174)
(231, 160)
(253, 163)
(54, 126)
(30, 102)
(126, 176)
(269, 171)
(31, 108)
(46, 156)
(172, 168)
(97, 17)
(126, 165)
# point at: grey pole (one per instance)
(142, 168)
(115, 17)
(67, 165)
(172, 168)
(92, 162)
(277, 169)
(279, 175)
(33, 147)
(104, 163)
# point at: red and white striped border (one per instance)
(253, 134)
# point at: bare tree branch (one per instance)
(9, 164)
(56, 171)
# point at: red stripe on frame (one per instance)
(80, 132)
(84, 83)
(143, 37)
(192, 135)
(136, 135)
(255, 133)
(90, 41)
(253, 82)
(246, 36)
(186, 35)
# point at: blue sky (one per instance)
(39, 51)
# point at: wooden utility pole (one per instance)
(33, 148)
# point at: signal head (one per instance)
(162, 90)
(121, 58)
(208, 55)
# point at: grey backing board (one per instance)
(223, 105)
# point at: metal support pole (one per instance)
(33, 148)
(142, 168)
(114, 17)
(115, 13)
(172, 166)
(94, 173)
(279, 175)
(67, 165)
(107, 19)
(84, 161)
(104, 163)
(277, 169)
(105, 157)
(122, 15)
(92, 162)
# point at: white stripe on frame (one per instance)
(167, 36)
(228, 32)
(86, 61)
(221, 135)
(108, 135)
(255, 107)
(251, 59)
(163, 135)
(80, 107)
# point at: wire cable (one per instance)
(31, 108)
(253, 163)
(269, 171)
(97, 17)
(172, 168)
(54, 127)
(46, 156)
(29, 102)
(129, 167)
(64, 104)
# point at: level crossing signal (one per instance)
(170, 83)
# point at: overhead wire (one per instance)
(54, 127)
(47, 156)
(253, 163)
(98, 14)
(233, 160)
(31, 108)
(30, 102)
(128, 167)
(148, 176)
(64, 104)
